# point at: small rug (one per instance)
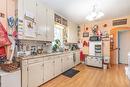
(71, 72)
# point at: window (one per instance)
(58, 33)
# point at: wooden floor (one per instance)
(93, 77)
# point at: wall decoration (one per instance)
(30, 29)
(86, 34)
(11, 21)
(95, 29)
(2, 15)
(105, 25)
(105, 34)
(119, 22)
(11, 24)
(86, 28)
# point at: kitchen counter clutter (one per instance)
(36, 70)
(45, 54)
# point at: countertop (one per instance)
(45, 54)
(2, 73)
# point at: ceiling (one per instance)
(77, 10)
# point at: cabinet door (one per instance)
(12, 79)
(35, 74)
(30, 11)
(72, 33)
(50, 25)
(58, 66)
(24, 73)
(30, 6)
(65, 63)
(41, 21)
(70, 61)
(77, 58)
(48, 70)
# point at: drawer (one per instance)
(24, 62)
(35, 60)
(48, 58)
(62, 55)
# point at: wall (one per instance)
(8, 8)
(102, 28)
(100, 24)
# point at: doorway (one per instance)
(124, 46)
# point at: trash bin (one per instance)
(104, 66)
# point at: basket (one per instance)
(9, 67)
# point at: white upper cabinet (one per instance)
(30, 6)
(42, 17)
(50, 25)
(72, 33)
(41, 21)
(30, 19)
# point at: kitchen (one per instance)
(48, 44)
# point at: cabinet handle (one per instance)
(27, 69)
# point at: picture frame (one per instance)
(86, 34)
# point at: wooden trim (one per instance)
(114, 32)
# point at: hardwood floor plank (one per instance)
(93, 77)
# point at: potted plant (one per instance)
(56, 45)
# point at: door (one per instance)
(48, 69)
(124, 45)
(58, 66)
(35, 74)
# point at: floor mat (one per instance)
(71, 72)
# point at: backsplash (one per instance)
(26, 47)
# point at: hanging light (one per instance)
(95, 14)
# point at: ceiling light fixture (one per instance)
(95, 14)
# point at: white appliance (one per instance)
(95, 57)
(11, 79)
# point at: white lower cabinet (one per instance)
(35, 74)
(37, 71)
(67, 62)
(64, 63)
(24, 73)
(48, 69)
(77, 57)
(70, 61)
(10, 79)
(57, 66)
